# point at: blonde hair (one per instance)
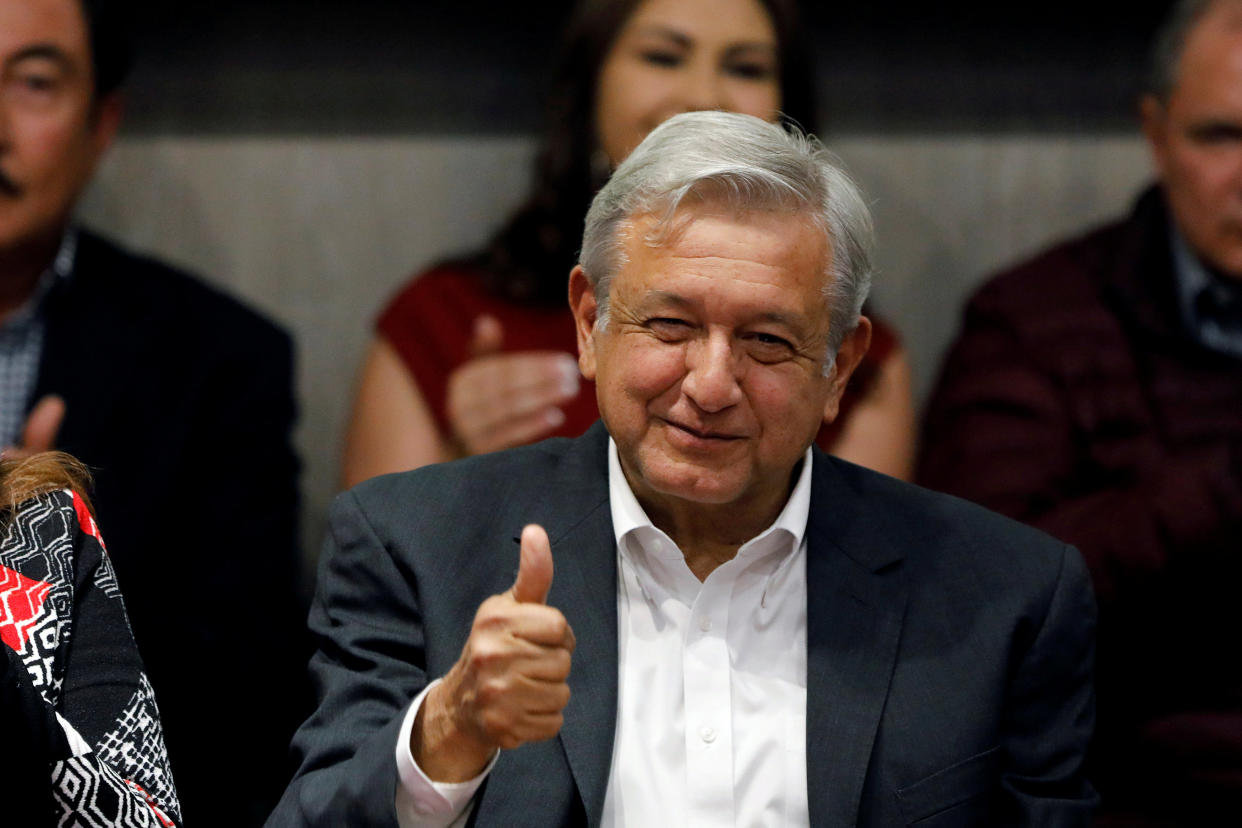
(48, 471)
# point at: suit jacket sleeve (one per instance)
(367, 670)
(1051, 710)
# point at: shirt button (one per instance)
(707, 735)
(705, 623)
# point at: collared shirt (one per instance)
(21, 343)
(1211, 307)
(711, 703)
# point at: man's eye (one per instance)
(669, 329)
(771, 339)
(766, 347)
(32, 87)
(661, 57)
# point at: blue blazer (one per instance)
(949, 649)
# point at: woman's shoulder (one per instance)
(436, 304)
(439, 305)
(456, 281)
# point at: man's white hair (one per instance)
(746, 164)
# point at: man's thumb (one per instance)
(534, 577)
(43, 424)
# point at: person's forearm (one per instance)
(420, 801)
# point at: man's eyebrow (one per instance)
(666, 297)
(789, 320)
(43, 51)
(1215, 126)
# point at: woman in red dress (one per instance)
(479, 354)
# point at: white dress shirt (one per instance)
(711, 703)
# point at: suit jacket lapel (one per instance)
(855, 606)
(585, 589)
(87, 354)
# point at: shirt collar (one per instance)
(1194, 280)
(628, 516)
(58, 273)
(1192, 276)
(66, 255)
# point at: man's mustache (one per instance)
(9, 187)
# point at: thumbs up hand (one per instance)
(509, 685)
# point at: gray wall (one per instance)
(318, 231)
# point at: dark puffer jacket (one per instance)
(1074, 400)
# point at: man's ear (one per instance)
(106, 121)
(1154, 123)
(849, 355)
(582, 303)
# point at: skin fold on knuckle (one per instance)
(495, 614)
(563, 664)
(489, 658)
(498, 723)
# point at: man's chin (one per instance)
(1231, 266)
(692, 483)
(12, 238)
(1221, 250)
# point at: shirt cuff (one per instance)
(422, 802)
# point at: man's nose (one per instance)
(712, 374)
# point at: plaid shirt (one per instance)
(21, 344)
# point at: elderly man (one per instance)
(759, 634)
(1096, 392)
(180, 400)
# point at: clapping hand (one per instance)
(497, 401)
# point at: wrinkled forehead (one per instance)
(769, 229)
(787, 244)
(1213, 41)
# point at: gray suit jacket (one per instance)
(949, 649)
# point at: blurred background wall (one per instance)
(309, 156)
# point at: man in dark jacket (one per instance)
(1096, 392)
(180, 400)
(741, 630)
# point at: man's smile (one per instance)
(701, 434)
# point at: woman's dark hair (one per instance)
(530, 258)
(111, 54)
